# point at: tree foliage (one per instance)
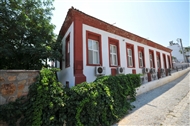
(26, 33)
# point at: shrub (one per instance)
(101, 102)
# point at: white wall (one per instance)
(176, 52)
(89, 71)
(67, 74)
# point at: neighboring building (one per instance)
(187, 54)
(92, 47)
(177, 52)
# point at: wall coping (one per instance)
(19, 71)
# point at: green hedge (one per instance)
(100, 103)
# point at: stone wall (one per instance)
(15, 83)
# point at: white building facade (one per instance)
(92, 48)
(177, 53)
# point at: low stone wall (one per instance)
(157, 83)
(15, 83)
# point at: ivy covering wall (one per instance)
(100, 103)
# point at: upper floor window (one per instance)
(93, 52)
(113, 55)
(141, 59)
(130, 58)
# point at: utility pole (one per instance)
(179, 40)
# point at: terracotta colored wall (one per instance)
(15, 83)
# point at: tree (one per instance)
(26, 34)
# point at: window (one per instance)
(130, 55)
(67, 60)
(113, 52)
(93, 49)
(93, 52)
(141, 59)
(113, 55)
(151, 58)
(164, 60)
(151, 61)
(130, 58)
(169, 61)
(158, 61)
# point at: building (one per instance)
(177, 52)
(92, 47)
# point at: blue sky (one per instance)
(158, 20)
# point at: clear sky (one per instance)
(158, 20)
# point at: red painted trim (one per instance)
(153, 59)
(141, 49)
(130, 46)
(97, 37)
(149, 77)
(115, 42)
(158, 54)
(158, 73)
(113, 71)
(133, 71)
(67, 57)
(78, 52)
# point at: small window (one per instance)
(93, 52)
(140, 59)
(67, 60)
(130, 58)
(113, 55)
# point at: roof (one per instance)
(97, 23)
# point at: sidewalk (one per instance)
(166, 105)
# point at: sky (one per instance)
(160, 21)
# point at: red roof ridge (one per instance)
(129, 35)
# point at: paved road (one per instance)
(168, 105)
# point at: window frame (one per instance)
(141, 64)
(164, 61)
(151, 60)
(96, 37)
(114, 42)
(151, 52)
(141, 49)
(96, 43)
(130, 47)
(158, 59)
